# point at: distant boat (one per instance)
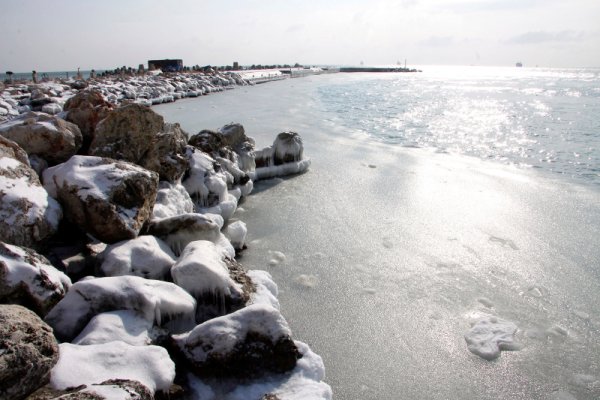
(519, 64)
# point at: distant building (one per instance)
(236, 66)
(166, 65)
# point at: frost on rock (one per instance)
(163, 303)
(107, 198)
(218, 287)
(122, 325)
(490, 335)
(171, 200)
(248, 343)
(284, 157)
(145, 256)
(28, 214)
(28, 278)
(92, 364)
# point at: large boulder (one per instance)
(85, 110)
(29, 279)
(248, 343)
(122, 389)
(162, 303)
(28, 351)
(284, 157)
(91, 364)
(47, 136)
(170, 150)
(172, 200)
(28, 214)
(122, 325)
(204, 272)
(109, 199)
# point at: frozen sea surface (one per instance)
(387, 256)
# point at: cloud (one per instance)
(438, 41)
(547, 37)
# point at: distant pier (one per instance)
(377, 69)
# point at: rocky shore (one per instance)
(118, 246)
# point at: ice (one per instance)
(266, 289)
(162, 303)
(486, 302)
(145, 256)
(87, 365)
(291, 168)
(490, 335)
(562, 395)
(308, 281)
(172, 199)
(236, 232)
(123, 325)
(277, 257)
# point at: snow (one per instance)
(87, 365)
(266, 289)
(224, 333)
(180, 230)
(162, 303)
(145, 256)
(122, 325)
(490, 335)
(236, 232)
(171, 200)
(202, 271)
(111, 392)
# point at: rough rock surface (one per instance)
(49, 137)
(112, 389)
(28, 214)
(28, 351)
(29, 279)
(109, 199)
(170, 149)
(182, 229)
(85, 110)
(247, 344)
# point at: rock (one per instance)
(28, 215)
(284, 157)
(28, 351)
(182, 229)
(248, 343)
(85, 110)
(149, 365)
(145, 256)
(51, 108)
(171, 200)
(162, 303)
(52, 138)
(170, 149)
(121, 325)
(204, 273)
(122, 389)
(109, 199)
(236, 233)
(29, 279)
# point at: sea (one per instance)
(436, 203)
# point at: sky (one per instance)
(61, 35)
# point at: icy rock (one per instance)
(182, 229)
(163, 303)
(304, 382)
(51, 108)
(149, 365)
(171, 200)
(266, 289)
(145, 256)
(490, 335)
(113, 389)
(284, 157)
(107, 198)
(247, 343)
(85, 110)
(123, 325)
(206, 185)
(236, 233)
(28, 214)
(28, 278)
(219, 286)
(28, 352)
(50, 137)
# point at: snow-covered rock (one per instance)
(171, 200)
(112, 389)
(163, 303)
(204, 273)
(170, 149)
(489, 335)
(182, 229)
(247, 343)
(284, 157)
(28, 214)
(28, 278)
(236, 233)
(51, 108)
(92, 364)
(266, 290)
(47, 136)
(107, 198)
(145, 256)
(28, 352)
(122, 325)
(85, 110)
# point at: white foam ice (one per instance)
(489, 335)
